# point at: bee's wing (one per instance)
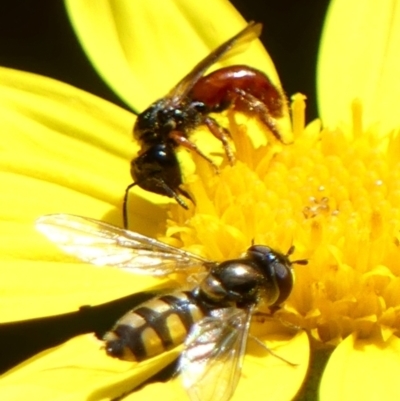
(99, 243)
(212, 360)
(245, 36)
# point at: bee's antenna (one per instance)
(125, 204)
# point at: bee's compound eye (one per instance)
(159, 158)
(157, 170)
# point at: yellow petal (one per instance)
(62, 137)
(143, 48)
(32, 289)
(78, 370)
(264, 377)
(362, 370)
(359, 58)
(170, 391)
(62, 150)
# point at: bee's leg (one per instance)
(168, 191)
(174, 194)
(250, 105)
(222, 134)
(181, 139)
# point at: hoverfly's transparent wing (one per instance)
(214, 349)
(227, 49)
(102, 244)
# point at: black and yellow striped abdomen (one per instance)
(153, 327)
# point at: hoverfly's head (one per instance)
(277, 270)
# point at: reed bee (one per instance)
(212, 319)
(168, 122)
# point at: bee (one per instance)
(212, 319)
(169, 121)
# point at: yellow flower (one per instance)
(333, 193)
(69, 151)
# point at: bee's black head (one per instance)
(157, 169)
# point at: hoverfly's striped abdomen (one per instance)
(153, 327)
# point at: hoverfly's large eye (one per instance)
(284, 280)
(262, 254)
(276, 267)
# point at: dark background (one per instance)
(36, 37)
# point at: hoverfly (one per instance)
(169, 121)
(212, 319)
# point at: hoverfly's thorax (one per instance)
(234, 282)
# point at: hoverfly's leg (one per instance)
(181, 139)
(222, 134)
(248, 104)
(125, 205)
(259, 342)
(262, 317)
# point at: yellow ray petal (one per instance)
(143, 48)
(78, 370)
(359, 58)
(267, 377)
(65, 138)
(170, 391)
(62, 150)
(362, 370)
(263, 377)
(32, 289)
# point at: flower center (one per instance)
(332, 193)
